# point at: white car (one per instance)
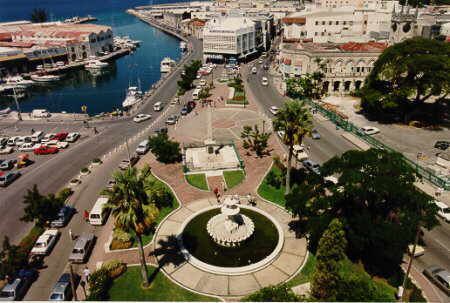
(420, 251)
(28, 147)
(273, 110)
(203, 82)
(45, 242)
(6, 150)
(141, 117)
(72, 137)
(443, 211)
(264, 81)
(300, 153)
(12, 140)
(48, 137)
(58, 144)
(370, 130)
(280, 134)
(254, 70)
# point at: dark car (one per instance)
(62, 291)
(8, 178)
(61, 136)
(442, 144)
(184, 111)
(18, 287)
(125, 163)
(7, 164)
(439, 276)
(315, 134)
(312, 166)
(162, 130)
(63, 217)
(172, 119)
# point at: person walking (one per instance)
(86, 274)
(86, 215)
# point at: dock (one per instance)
(80, 20)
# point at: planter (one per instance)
(74, 182)
(85, 171)
(96, 162)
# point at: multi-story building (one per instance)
(229, 37)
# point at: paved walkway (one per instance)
(285, 265)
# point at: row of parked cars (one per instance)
(38, 139)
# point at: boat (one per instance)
(45, 78)
(183, 46)
(96, 64)
(134, 96)
(167, 64)
(18, 80)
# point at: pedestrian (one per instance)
(86, 215)
(32, 131)
(86, 274)
(95, 131)
(70, 234)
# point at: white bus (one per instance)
(158, 106)
(98, 215)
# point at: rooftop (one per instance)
(364, 47)
(229, 23)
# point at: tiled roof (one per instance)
(362, 47)
(296, 20)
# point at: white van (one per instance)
(443, 211)
(98, 215)
(40, 113)
(195, 93)
(158, 106)
(37, 136)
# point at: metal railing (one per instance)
(426, 173)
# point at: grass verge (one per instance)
(197, 180)
(128, 288)
(233, 177)
(305, 275)
(271, 193)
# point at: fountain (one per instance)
(230, 228)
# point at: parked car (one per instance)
(82, 248)
(8, 178)
(110, 184)
(3, 141)
(162, 130)
(254, 70)
(17, 289)
(312, 166)
(370, 130)
(143, 147)
(61, 136)
(48, 137)
(45, 150)
(62, 291)
(28, 147)
(63, 217)
(280, 134)
(125, 163)
(273, 110)
(260, 61)
(72, 137)
(12, 141)
(439, 276)
(202, 82)
(264, 81)
(184, 111)
(172, 119)
(58, 144)
(443, 145)
(300, 153)
(7, 164)
(419, 251)
(6, 150)
(315, 134)
(22, 140)
(141, 117)
(45, 243)
(443, 211)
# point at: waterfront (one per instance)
(105, 92)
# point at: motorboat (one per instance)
(167, 64)
(18, 80)
(183, 46)
(134, 96)
(45, 78)
(96, 64)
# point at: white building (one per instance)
(228, 37)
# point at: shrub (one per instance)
(115, 268)
(273, 179)
(97, 161)
(121, 239)
(99, 284)
(278, 293)
(84, 170)
(64, 194)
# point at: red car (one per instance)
(60, 136)
(45, 150)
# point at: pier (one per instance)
(79, 20)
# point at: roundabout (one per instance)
(192, 256)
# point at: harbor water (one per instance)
(106, 91)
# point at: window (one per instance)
(323, 22)
(317, 22)
(330, 22)
(315, 34)
(337, 22)
(344, 22)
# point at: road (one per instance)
(437, 241)
(52, 175)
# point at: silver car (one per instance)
(82, 248)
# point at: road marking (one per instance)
(441, 244)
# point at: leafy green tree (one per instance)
(295, 120)
(409, 81)
(330, 253)
(38, 15)
(277, 293)
(157, 193)
(41, 209)
(189, 75)
(165, 150)
(12, 258)
(308, 85)
(132, 210)
(376, 199)
(255, 140)
(99, 284)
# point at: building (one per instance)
(193, 27)
(229, 37)
(346, 65)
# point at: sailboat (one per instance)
(134, 96)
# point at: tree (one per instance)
(330, 253)
(41, 209)
(278, 293)
(308, 85)
(131, 208)
(189, 75)
(165, 150)
(255, 140)
(409, 80)
(157, 193)
(295, 120)
(12, 258)
(378, 203)
(39, 15)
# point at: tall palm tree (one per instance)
(295, 120)
(131, 208)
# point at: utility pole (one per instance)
(72, 283)
(19, 115)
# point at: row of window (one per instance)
(335, 22)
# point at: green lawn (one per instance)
(305, 275)
(197, 180)
(273, 194)
(233, 177)
(128, 288)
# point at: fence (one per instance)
(427, 174)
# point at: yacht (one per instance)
(167, 64)
(18, 80)
(183, 46)
(96, 64)
(45, 78)
(134, 96)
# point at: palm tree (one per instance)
(295, 120)
(131, 209)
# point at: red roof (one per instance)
(362, 47)
(296, 20)
(17, 44)
(5, 37)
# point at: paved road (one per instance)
(52, 175)
(332, 143)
